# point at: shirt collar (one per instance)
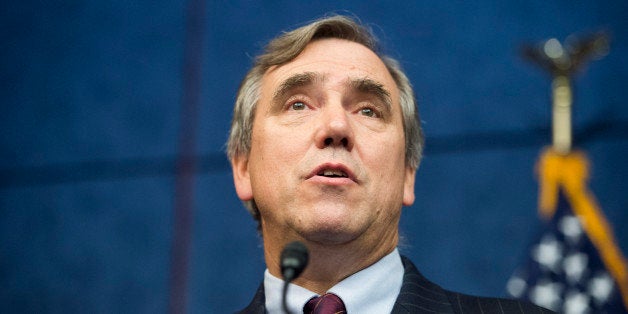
(371, 290)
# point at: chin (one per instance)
(330, 238)
(331, 234)
(331, 223)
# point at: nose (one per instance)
(334, 129)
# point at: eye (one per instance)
(367, 112)
(298, 105)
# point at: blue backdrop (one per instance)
(90, 121)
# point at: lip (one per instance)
(313, 176)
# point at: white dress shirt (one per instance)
(371, 290)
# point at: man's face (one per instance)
(327, 159)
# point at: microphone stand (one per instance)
(294, 258)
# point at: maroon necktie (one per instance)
(328, 303)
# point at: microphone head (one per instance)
(294, 258)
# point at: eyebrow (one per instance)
(369, 86)
(296, 81)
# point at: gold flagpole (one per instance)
(561, 114)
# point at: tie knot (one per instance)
(328, 303)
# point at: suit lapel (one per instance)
(258, 304)
(419, 295)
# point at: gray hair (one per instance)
(288, 46)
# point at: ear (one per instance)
(241, 178)
(408, 187)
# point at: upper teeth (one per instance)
(337, 173)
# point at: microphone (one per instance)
(294, 258)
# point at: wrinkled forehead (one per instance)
(337, 61)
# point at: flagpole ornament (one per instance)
(563, 61)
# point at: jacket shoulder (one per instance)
(463, 303)
(258, 304)
(418, 294)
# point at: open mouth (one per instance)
(332, 173)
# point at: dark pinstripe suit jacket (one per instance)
(419, 295)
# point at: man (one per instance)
(324, 145)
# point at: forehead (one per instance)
(337, 60)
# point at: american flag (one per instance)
(565, 271)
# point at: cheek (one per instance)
(273, 155)
(385, 161)
(386, 154)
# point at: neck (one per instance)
(331, 263)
